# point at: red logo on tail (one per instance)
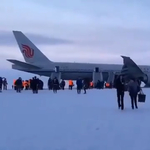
(28, 52)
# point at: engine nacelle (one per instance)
(145, 79)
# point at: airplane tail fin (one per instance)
(29, 51)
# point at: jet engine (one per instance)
(146, 79)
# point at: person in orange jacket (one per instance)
(14, 86)
(91, 84)
(71, 84)
(26, 85)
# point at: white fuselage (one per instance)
(71, 71)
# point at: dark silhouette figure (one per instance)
(55, 84)
(18, 85)
(79, 85)
(119, 85)
(133, 88)
(62, 85)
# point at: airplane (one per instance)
(37, 63)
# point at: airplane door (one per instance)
(56, 68)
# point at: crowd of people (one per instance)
(35, 84)
(80, 84)
(54, 84)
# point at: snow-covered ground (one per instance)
(67, 121)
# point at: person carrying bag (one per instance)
(133, 88)
(141, 97)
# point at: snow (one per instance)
(67, 121)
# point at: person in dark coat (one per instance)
(1, 83)
(133, 88)
(5, 84)
(50, 84)
(98, 85)
(34, 85)
(18, 85)
(62, 84)
(55, 84)
(79, 85)
(85, 86)
(31, 84)
(40, 85)
(119, 85)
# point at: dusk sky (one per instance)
(78, 30)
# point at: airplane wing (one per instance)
(130, 68)
(23, 64)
